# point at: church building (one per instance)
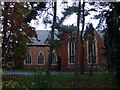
(38, 52)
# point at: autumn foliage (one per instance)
(16, 33)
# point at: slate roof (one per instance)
(42, 37)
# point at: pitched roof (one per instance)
(100, 33)
(90, 29)
(42, 37)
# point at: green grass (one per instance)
(63, 81)
(97, 81)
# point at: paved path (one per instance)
(32, 73)
(43, 73)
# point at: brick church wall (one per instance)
(63, 52)
(34, 51)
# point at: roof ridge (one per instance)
(42, 30)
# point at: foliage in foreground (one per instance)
(16, 33)
(112, 40)
(60, 81)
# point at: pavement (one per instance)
(42, 73)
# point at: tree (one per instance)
(16, 34)
(52, 35)
(81, 39)
(76, 48)
(112, 35)
(112, 39)
(35, 7)
(65, 29)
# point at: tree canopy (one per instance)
(112, 39)
(16, 33)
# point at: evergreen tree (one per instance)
(112, 39)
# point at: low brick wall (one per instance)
(64, 68)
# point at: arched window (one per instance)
(54, 58)
(92, 51)
(28, 59)
(41, 58)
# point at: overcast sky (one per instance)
(69, 20)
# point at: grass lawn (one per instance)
(60, 81)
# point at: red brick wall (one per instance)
(35, 50)
(100, 44)
(63, 52)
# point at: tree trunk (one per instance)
(82, 42)
(91, 67)
(76, 50)
(52, 36)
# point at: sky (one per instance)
(69, 20)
